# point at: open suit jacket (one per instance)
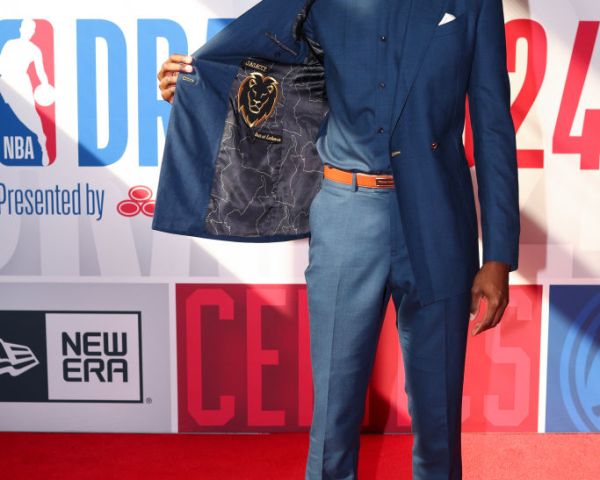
(240, 161)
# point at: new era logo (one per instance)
(16, 359)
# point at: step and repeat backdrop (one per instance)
(106, 325)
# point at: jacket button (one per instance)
(435, 145)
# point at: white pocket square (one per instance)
(448, 17)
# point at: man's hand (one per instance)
(490, 282)
(167, 76)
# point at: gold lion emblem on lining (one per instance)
(257, 98)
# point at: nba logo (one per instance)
(27, 109)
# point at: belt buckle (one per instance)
(384, 181)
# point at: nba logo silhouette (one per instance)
(27, 108)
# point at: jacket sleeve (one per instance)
(494, 138)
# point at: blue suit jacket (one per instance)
(240, 162)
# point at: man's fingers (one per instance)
(175, 63)
(179, 58)
(167, 94)
(499, 302)
(484, 323)
(499, 313)
(177, 67)
(169, 69)
(493, 314)
(491, 283)
(476, 295)
(167, 81)
(171, 94)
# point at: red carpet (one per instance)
(488, 456)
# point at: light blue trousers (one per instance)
(357, 260)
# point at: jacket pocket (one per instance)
(456, 25)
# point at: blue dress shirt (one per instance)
(361, 62)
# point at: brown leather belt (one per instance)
(371, 180)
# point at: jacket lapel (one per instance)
(422, 20)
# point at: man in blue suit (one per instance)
(394, 215)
